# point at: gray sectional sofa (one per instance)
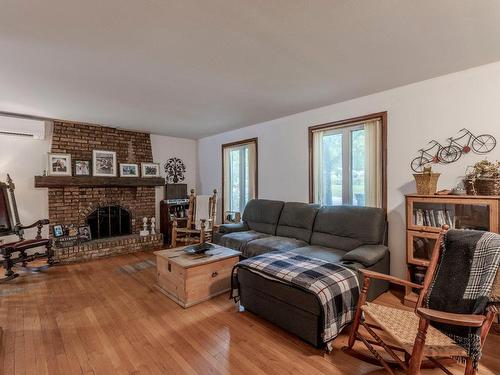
(354, 237)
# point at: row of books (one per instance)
(434, 218)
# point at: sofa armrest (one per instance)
(367, 255)
(230, 228)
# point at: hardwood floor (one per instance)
(106, 317)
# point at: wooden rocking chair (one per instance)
(410, 332)
(200, 221)
(16, 252)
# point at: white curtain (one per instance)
(252, 169)
(373, 163)
(227, 178)
(318, 166)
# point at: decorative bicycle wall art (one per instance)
(463, 143)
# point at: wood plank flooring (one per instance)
(106, 317)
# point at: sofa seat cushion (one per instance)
(271, 243)
(320, 252)
(238, 240)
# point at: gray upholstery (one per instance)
(347, 227)
(325, 253)
(233, 227)
(292, 308)
(297, 220)
(350, 236)
(262, 215)
(238, 240)
(367, 255)
(271, 243)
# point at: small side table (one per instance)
(191, 279)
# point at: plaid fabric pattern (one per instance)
(335, 286)
(484, 267)
(469, 263)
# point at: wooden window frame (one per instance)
(382, 116)
(240, 143)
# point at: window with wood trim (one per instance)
(347, 162)
(239, 166)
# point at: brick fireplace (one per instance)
(80, 205)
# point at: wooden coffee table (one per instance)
(191, 279)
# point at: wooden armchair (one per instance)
(408, 335)
(16, 252)
(200, 221)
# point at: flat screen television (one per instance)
(175, 191)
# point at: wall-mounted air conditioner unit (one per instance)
(24, 127)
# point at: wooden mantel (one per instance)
(88, 181)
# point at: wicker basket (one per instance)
(426, 183)
(483, 186)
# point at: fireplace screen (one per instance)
(109, 221)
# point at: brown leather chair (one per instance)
(17, 251)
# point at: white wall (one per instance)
(417, 113)
(167, 147)
(23, 158)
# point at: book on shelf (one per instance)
(434, 218)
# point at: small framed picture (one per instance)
(150, 169)
(59, 165)
(82, 168)
(58, 230)
(84, 232)
(129, 170)
(104, 163)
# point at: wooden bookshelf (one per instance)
(424, 216)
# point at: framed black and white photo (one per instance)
(150, 169)
(129, 170)
(84, 233)
(104, 163)
(82, 168)
(59, 165)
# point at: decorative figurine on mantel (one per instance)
(144, 232)
(153, 226)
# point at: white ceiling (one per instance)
(192, 68)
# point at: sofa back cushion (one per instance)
(262, 215)
(347, 227)
(297, 220)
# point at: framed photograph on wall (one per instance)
(59, 165)
(58, 231)
(150, 169)
(104, 163)
(84, 232)
(82, 168)
(129, 170)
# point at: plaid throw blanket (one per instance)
(463, 282)
(335, 286)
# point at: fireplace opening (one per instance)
(109, 221)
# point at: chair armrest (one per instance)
(389, 278)
(466, 320)
(230, 228)
(35, 224)
(367, 255)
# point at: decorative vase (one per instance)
(426, 182)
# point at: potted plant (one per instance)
(483, 178)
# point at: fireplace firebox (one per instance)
(109, 221)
